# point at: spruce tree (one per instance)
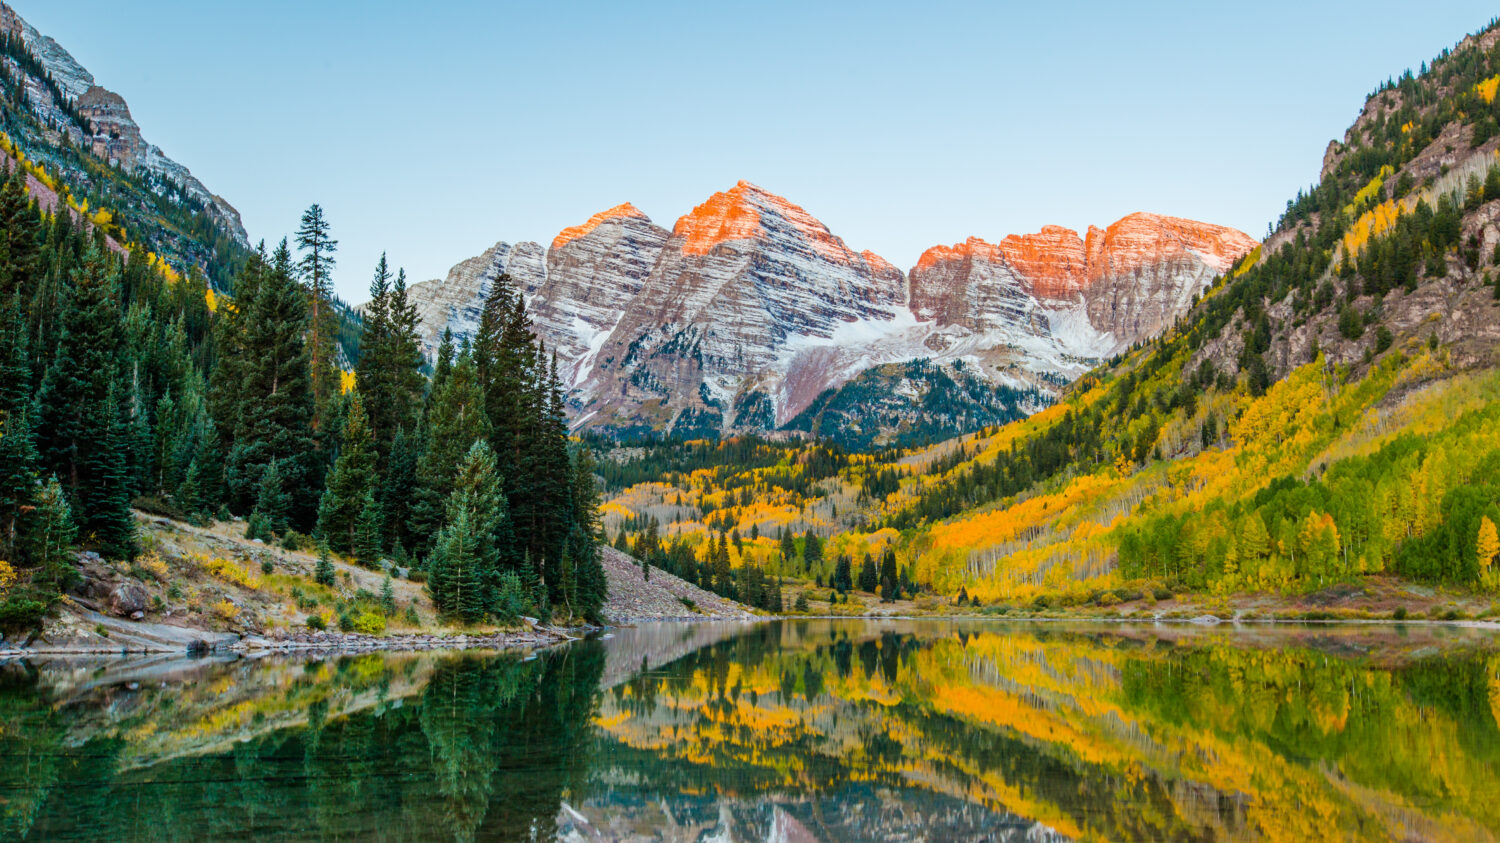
(465, 551)
(323, 571)
(316, 268)
(227, 396)
(271, 501)
(108, 524)
(812, 552)
(843, 579)
(351, 483)
(455, 422)
(50, 537)
(367, 545)
(83, 436)
(593, 586)
(387, 597)
(389, 372)
(18, 477)
(276, 421)
(890, 586)
(869, 579)
(395, 494)
(788, 549)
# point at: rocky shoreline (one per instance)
(311, 642)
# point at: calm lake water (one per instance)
(787, 731)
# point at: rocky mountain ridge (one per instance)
(750, 313)
(69, 104)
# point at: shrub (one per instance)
(1400, 613)
(346, 622)
(153, 565)
(266, 567)
(257, 527)
(1383, 339)
(226, 610)
(295, 541)
(316, 622)
(366, 623)
(229, 571)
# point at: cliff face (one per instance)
(1091, 297)
(750, 313)
(103, 124)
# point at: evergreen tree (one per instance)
(272, 502)
(465, 568)
(51, 536)
(890, 585)
(389, 372)
(227, 396)
(387, 597)
(788, 548)
(275, 426)
(869, 580)
(316, 268)
(107, 522)
(351, 484)
(367, 534)
(323, 571)
(843, 579)
(812, 552)
(455, 423)
(82, 435)
(723, 575)
(18, 476)
(396, 488)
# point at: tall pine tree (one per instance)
(350, 483)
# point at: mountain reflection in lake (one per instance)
(788, 731)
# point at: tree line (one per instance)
(120, 387)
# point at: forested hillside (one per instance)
(125, 384)
(1327, 411)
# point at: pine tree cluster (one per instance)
(120, 387)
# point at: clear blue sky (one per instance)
(431, 130)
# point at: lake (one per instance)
(794, 730)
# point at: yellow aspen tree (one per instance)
(1488, 546)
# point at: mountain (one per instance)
(751, 315)
(56, 114)
(1322, 425)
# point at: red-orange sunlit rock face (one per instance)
(735, 215)
(1147, 239)
(724, 217)
(1055, 263)
(572, 233)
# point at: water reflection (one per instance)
(800, 730)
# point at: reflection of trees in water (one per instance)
(485, 751)
(1093, 733)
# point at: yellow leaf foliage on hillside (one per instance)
(1371, 223)
(1487, 89)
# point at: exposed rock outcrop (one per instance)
(750, 311)
(107, 128)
